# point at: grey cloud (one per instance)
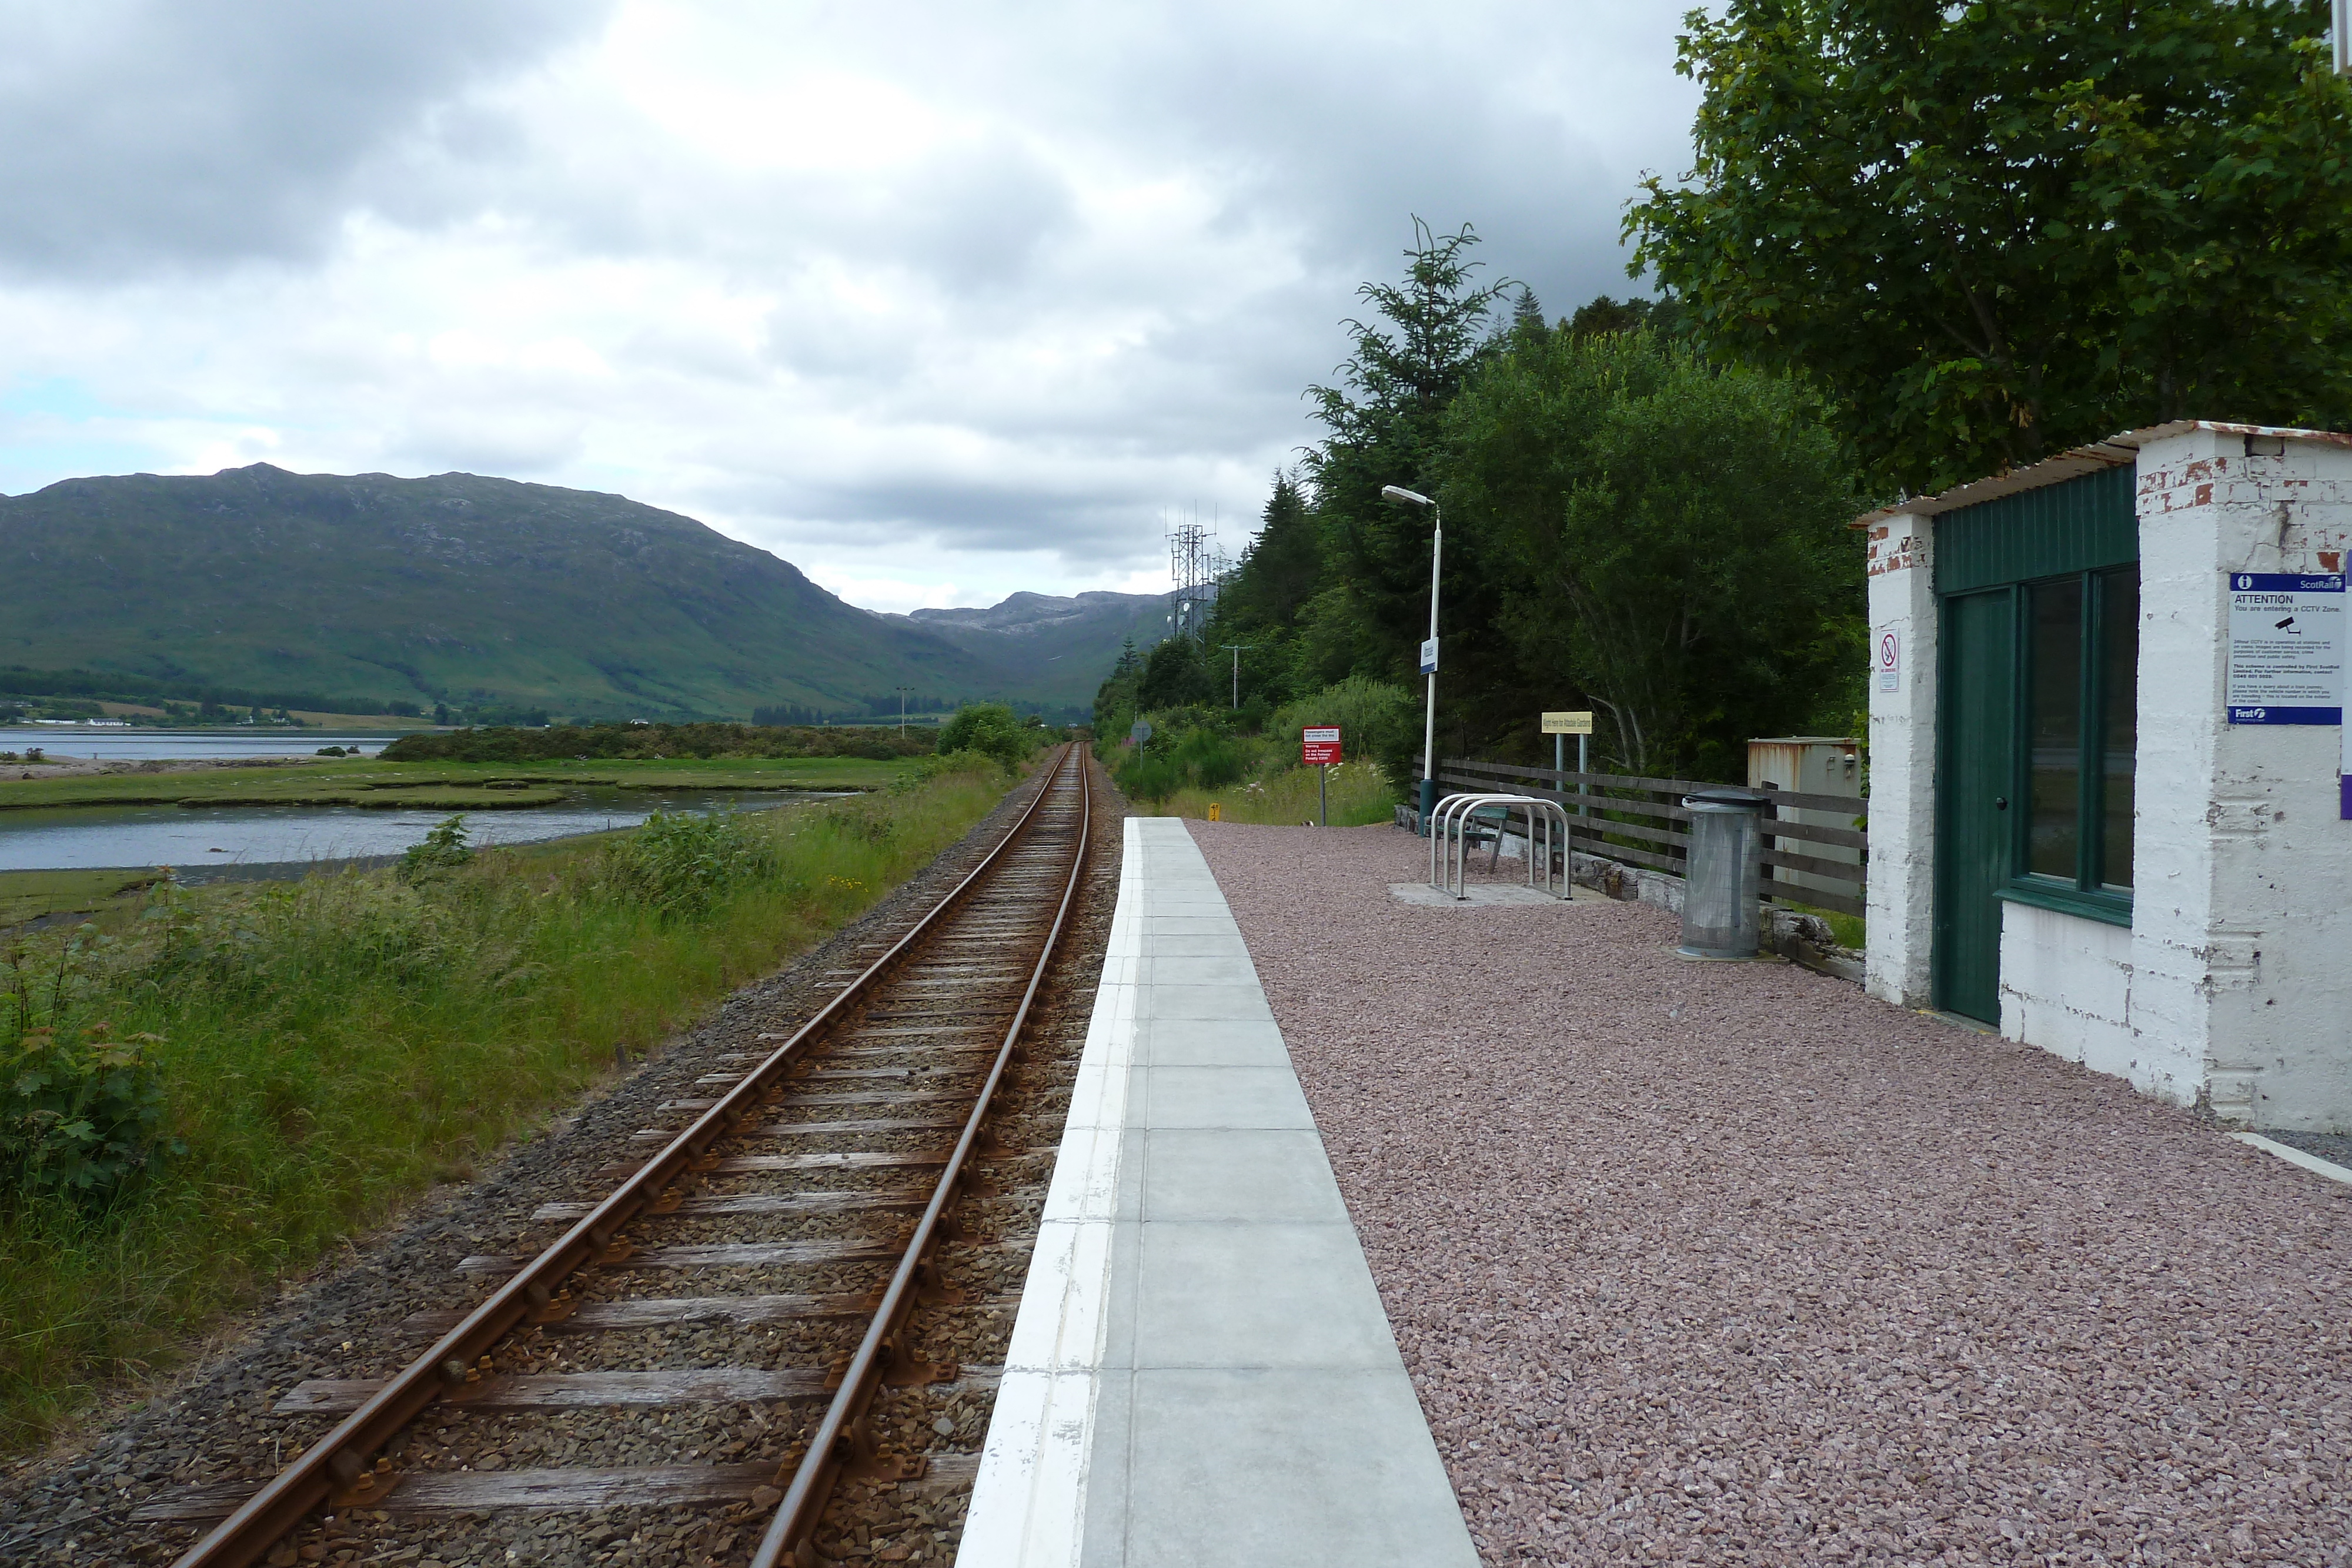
(509, 441)
(985, 215)
(1331, 137)
(1297, 138)
(171, 133)
(1086, 529)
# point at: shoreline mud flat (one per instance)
(101, 766)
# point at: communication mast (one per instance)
(1199, 569)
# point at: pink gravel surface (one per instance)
(1728, 1263)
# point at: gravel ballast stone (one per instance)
(1731, 1263)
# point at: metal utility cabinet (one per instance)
(1809, 764)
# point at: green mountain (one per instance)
(1062, 646)
(474, 591)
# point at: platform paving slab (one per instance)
(1201, 1371)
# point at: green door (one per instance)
(1975, 774)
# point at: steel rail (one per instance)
(844, 1435)
(336, 1466)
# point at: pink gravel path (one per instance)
(1717, 1263)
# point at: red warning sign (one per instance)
(1321, 747)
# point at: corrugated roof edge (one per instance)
(2113, 452)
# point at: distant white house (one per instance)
(2108, 810)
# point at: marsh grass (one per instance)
(28, 894)
(370, 781)
(1359, 794)
(331, 1047)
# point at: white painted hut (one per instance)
(2107, 806)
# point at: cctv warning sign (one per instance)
(2286, 647)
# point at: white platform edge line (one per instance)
(2296, 1156)
(1029, 1499)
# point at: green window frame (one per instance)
(2077, 742)
(2066, 554)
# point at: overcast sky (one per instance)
(935, 301)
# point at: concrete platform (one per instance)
(1201, 1372)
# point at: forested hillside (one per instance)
(1629, 529)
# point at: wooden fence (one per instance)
(1642, 821)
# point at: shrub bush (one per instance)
(946, 762)
(989, 728)
(1190, 747)
(81, 1114)
(1144, 776)
(443, 850)
(1377, 722)
(681, 863)
(1208, 760)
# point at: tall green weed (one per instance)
(81, 1114)
(681, 863)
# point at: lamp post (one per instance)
(1238, 650)
(1399, 496)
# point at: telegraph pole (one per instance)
(903, 692)
(1239, 649)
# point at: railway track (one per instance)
(836, 1153)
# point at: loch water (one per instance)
(137, 744)
(195, 840)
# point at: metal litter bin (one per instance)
(1720, 919)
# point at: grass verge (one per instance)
(327, 1048)
(1359, 794)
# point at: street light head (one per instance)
(1404, 497)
